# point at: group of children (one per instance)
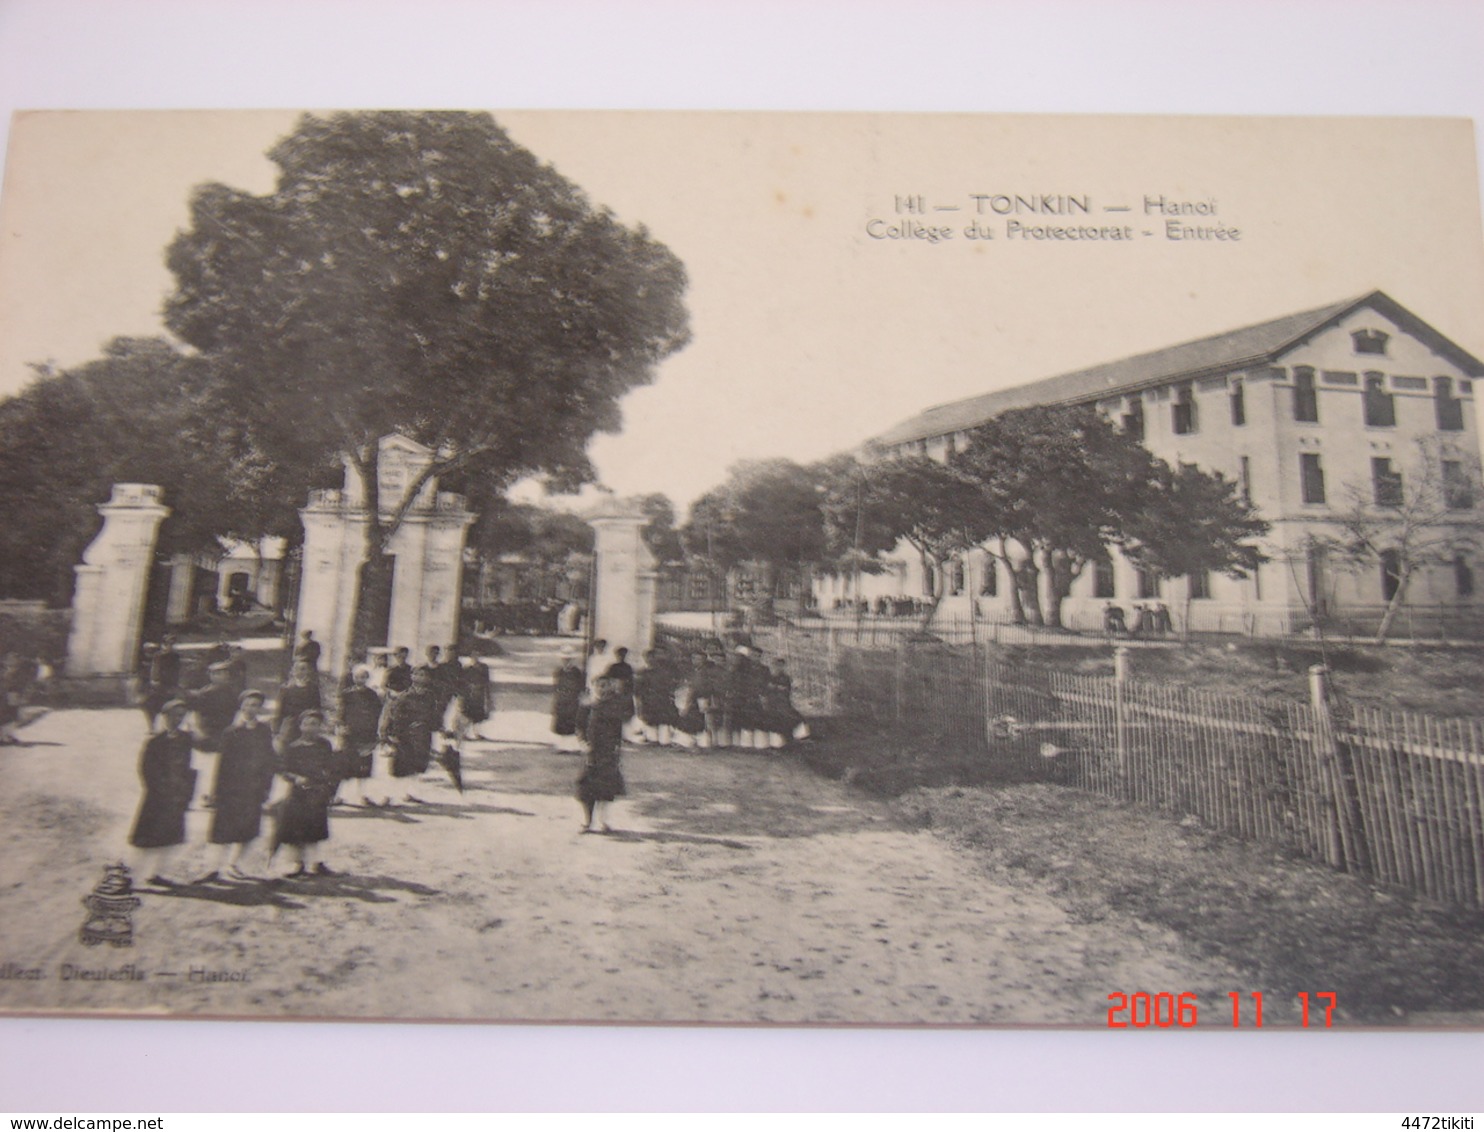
(717, 700)
(412, 710)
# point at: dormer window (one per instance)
(1370, 341)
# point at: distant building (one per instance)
(1302, 412)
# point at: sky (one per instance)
(840, 275)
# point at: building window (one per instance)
(1148, 584)
(956, 577)
(950, 445)
(1458, 488)
(1369, 341)
(1245, 480)
(989, 585)
(1182, 412)
(1317, 561)
(1312, 477)
(1463, 576)
(1133, 419)
(1200, 584)
(1102, 578)
(1305, 396)
(1386, 482)
(1391, 574)
(1239, 404)
(1449, 408)
(1380, 406)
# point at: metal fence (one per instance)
(1392, 795)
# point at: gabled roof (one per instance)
(1231, 351)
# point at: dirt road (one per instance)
(740, 888)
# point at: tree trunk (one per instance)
(1392, 607)
(1028, 582)
(932, 611)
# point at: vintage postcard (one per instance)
(731, 568)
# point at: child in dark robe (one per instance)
(169, 783)
(244, 779)
(601, 780)
(311, 766)
(360, 719)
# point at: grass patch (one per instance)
(1292, 924)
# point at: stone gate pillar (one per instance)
(334, 548)
(113, 582)
(624, 576)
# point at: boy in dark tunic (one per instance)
(601, 779)
(783, 720)
(360, 723)
(399, 672)
(654, 688)
(244, 778)
(568, 683)
(622, 671)
(215, 705)
(407, 725)
(311, 767)
(169, 782)
(298, 695)
(475, 701)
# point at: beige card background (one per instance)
(813, 328)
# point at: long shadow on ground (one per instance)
(276, 892)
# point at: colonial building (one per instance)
(1358, 403)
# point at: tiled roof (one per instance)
(1219, 353)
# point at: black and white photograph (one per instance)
(742, 568)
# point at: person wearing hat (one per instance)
(169, 782)
(568, 682)
(244, 777)
(215, 705)
(312, 769)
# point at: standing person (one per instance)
(237, 667)
(476, 699)
(300, 693)
(407, 725)
(215, 705)
(164, 679)
(311, 767)
(622, 671)
(244, 778)
(654, 689)
(169, 782)
(690, 713)
(568, 683)
(360, 721)
(399, 672)
(307, 650)
(601, 780)
(449, 686)
(784, 720)
(378, 664)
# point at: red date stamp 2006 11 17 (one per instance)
(1166, 1011)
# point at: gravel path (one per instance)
(741, 888)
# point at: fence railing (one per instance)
(1393, 795)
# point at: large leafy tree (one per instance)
(1190, 521)
(1056, 483)
(139, 413)
(768, 512)
(421, 273)
(934, 507)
